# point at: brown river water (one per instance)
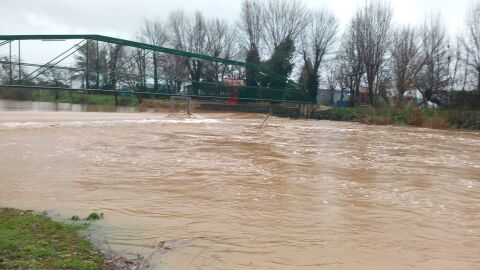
(223, 194)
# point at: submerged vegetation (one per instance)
(33, 241)
(94, 216)
(91, 217)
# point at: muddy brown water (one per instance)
(222, 195)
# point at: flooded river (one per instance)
(222, 194)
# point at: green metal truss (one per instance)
(292, 89)
(154, 48)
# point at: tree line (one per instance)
(296, 42)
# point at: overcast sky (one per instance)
(123, 18)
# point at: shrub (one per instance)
(415, 117)
(16, 94)
(464, 119)
(437, 122)
(431, 118)
(340, 114)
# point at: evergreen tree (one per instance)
(253, 57)
(281, 63)
(252, 76)
(309, 80)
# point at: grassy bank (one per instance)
(65, 96)
(32, 241)
(430, 118)
(73, 97)
(79, 98)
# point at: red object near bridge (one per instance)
(233, 85)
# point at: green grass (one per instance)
(79, 98)
(33, 241)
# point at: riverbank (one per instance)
(33, 241)
(106, 101)
(429, 118)
(65, 96)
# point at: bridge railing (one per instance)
(144, 72)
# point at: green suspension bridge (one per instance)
(107, 65)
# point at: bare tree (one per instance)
(115, 55)
(221, 42)
(155, 32)
(190, 34)
(373, 23)
(8, 69)
(283, 19)
(471, 41)
(383, 83)
(212, 37)
(251, 24)
(406, 61)
(85, 61)
(111, 58)
(318, 39)
(459, 70)
(252, 35)
(466, 76)
(350, 70)
(434, 75)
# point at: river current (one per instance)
(223, 193)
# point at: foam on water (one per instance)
(96, 123)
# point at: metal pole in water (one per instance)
(172, 104)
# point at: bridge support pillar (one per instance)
(189, 106)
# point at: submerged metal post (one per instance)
(172, 104)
